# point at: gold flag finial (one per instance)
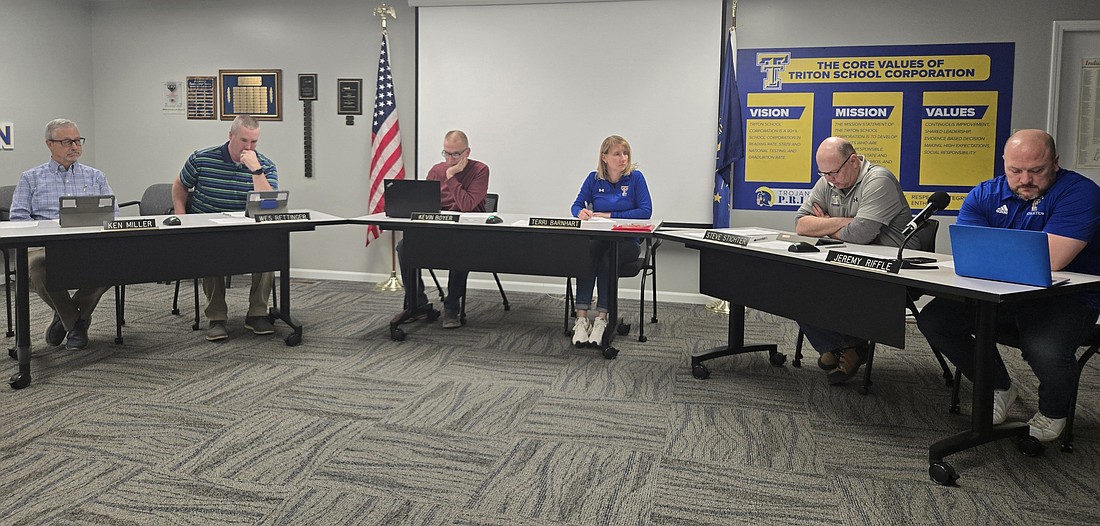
(385, 11)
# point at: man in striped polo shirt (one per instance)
(218, 179)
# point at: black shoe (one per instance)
(55, 333)
(78, 336)
(850, 360)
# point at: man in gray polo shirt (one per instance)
(859, 202)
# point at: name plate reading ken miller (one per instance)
(428, 216)
(731, 239)
(291, 216)
(888, 265)
(131, 224)
(554, 221)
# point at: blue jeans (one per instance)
(456, 285)
(1049, 331)
(600, 274)
(825, 340)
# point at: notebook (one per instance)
(85, 210)
(1001, 254)
(405, 196)
(266, 202)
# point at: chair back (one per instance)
(6, 194)
(157, 200)
(491, 202)
(926, 237)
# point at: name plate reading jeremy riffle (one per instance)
(428, 216)
(731, 239)
(289, 216)
(889, 265)
(554, 221)
(131, 224)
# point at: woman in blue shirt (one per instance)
(616, 190)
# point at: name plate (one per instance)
(428, 216)
(554, 221)
(731, 239)
(131, 224)
(889, 265)
(289, 216)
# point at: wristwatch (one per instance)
(258, 171)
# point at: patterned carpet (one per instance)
(500, 422)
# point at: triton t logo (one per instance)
(771, 65)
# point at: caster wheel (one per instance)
(118, 341)
(610, 353)
(194, 326)
(797, 362)
(777, 359)
(653, 320)
(943, 474)
(293, 340)
(397, 334)
(19, 380)
(1030, 446)
(955, 410)
(643, 339)
(175, 312)
(13, 354)
(507, 307)
(623, 329)
(700, 371)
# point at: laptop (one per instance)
(405, 196)
(1001, 254)
(266, 202)
(85, 210)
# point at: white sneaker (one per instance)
(580, 332)
(1002, 400)
(595, 336)
(1045, 428)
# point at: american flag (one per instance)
(385, 138)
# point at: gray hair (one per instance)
(57, 124)
(244, 121)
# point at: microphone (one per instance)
(936, 202)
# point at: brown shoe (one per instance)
(828, 360)
(850, 361)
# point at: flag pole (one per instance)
(723, 306)
(393, 284)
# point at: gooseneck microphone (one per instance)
(936, 202)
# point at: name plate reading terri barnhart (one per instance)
(428, 216)
(731, 239)
(290, 216)
(889, 265)
(131, 224)
(554, 221)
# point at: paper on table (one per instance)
(231, 220)
(18, 224)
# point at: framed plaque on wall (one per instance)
(255, 92)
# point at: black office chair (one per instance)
(646, 265)
(6, 193)
(926, 238)
(491, 201)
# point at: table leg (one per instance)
(735, 344)
(22, 378)
(411, 310)
(610, 352)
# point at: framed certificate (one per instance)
(307, 86)
(255, 92)
(349, 96)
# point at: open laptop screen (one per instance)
(405, 196)
(1001, 254)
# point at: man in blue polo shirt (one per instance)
(218, 179)
(1033, 194)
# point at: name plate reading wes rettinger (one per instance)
(888, 265)
(554, 222)
(286, 216)
(731, 239)
(430, 216)
(131, 224)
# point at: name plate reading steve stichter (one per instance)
(731, 239)
(429, 216)
(131, 224)
(288, 216)
(889, 265)
(554, 221)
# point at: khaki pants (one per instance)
(69, 308)
(217, 310)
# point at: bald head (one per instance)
(835, 158)
(1031, 163)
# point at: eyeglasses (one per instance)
(836, 172)
(69, 142)
(453, 155)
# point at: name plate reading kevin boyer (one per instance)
(429, 216)
(131, 224)
(288, 216)
(731, 239)
(555, 222)
(889, 265)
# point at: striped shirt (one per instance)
(217, 183)
(39, 190)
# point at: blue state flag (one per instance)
(731, 145)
